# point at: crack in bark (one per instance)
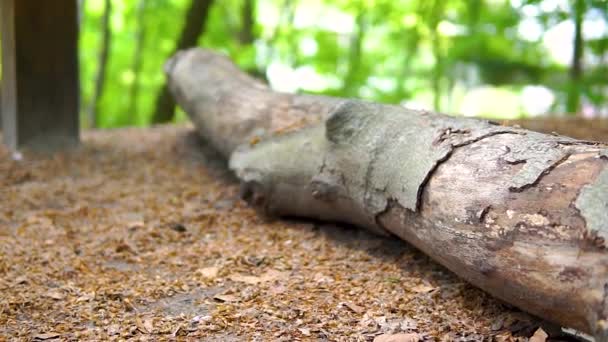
(581, 142)
(440, 161)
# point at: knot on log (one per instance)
(254, 193)
(346, 120)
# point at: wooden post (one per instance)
(40, 87)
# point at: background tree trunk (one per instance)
(576, 68)
(193, 28)
(246, 35)
(352, 80)
(517, 213)
(140, 38)
(104, 52)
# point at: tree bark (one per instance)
(520, 214)
(196, 18)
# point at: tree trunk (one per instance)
(140, 38)
(104, 52)
(435, 16)
(576, 68)
(520, 214)
(193, 28)
(246, 35)
(352, 81)
(286, 18)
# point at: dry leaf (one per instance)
(113, 329)
(539, 336)
(85, 297)
(422, 288)
(269, 275)
(149, 325)
(100, 194)
(504, 337)
(20, 280)
(176, 330)
(146, 327)
(209, 272)
(413, 337)
(55, 294)
(125, 247)
(497, 324)
(354, 307)
(226, 298)
(409, 324)
(46, 336)
(272, 275)
(133, 220)
(247, 279)
(140, 325)
(277, 289)
(321, 278)
(304, 331)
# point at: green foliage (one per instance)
(429, 52)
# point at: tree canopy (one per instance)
(495, 58)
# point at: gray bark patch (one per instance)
(538, 155)
(389, 152)
(593, 202)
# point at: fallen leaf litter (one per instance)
(139, 234)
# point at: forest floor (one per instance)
(139, 234)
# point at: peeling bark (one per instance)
(519, 214)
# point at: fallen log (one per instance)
(520, 214)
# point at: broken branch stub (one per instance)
(520, 214)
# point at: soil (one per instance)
(139, 235)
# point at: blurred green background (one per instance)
(494, 58)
